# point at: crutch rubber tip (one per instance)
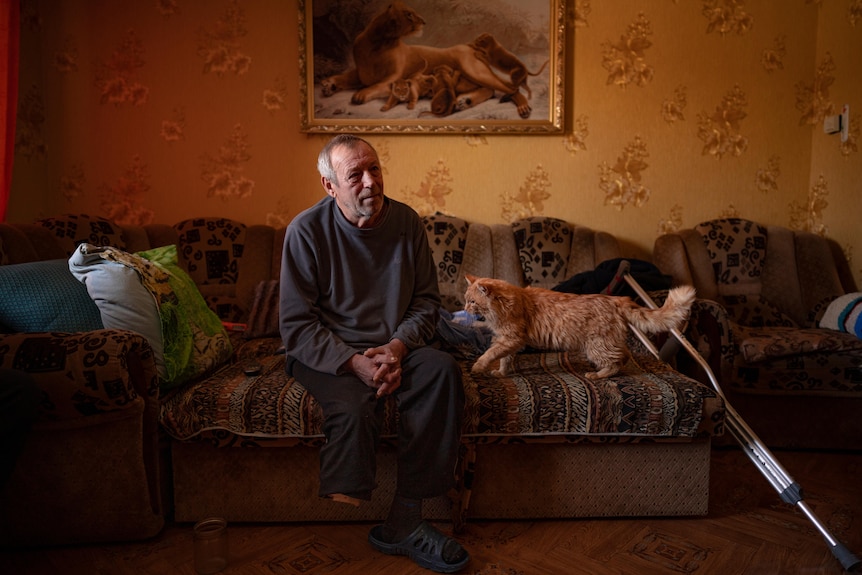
(848, 560)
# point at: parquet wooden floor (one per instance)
(748, 530)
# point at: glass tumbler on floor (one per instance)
(211, 548)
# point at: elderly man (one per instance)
(359, 305)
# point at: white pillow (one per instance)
(123, 301)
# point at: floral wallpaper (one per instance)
(677, 111)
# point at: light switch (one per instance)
(844, 121)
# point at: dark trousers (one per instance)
(430, 404)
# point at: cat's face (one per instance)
(477, 296)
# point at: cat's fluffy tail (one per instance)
(669, 316)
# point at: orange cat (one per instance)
(550, 320)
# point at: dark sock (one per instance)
(405, 515)
(453, 552)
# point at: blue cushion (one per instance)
(45, 296)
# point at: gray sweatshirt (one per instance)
(345, 289)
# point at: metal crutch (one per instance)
(789, 490)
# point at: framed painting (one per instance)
(432, 66)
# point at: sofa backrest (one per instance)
(733, 258)
(229, 260)
(818, 266)
(74, 229)
(22, 243)
(458, 248)
(212, 251)
(226, 259)
(543, 252)
(736, 250)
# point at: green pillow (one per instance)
(195, 339)
(44, 296)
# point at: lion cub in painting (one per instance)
(550, 320)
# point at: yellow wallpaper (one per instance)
(677, 111)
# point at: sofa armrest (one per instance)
(87, 373)
(709, 330)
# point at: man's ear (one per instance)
(327, 185)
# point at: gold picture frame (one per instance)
(521, 42)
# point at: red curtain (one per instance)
(9, 15)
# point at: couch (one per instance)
(764, 293)
(542, 442)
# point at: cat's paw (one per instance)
(479, 367)
(602, 374)
(498, 372)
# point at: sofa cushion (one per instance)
(447, 237)
(192, 338)
(755, 311)
(211, 250)
(72, 230)
(546, 395)
(263, 318)
(544, 245)
(737, 249)
(759, 344)
(122, 300)
(823, 373)
(44, 296)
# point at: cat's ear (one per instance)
(470, 279)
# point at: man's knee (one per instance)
(359, 417)
(439, 361)
(439, 371)
(448, 369)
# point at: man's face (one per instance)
(359, 191)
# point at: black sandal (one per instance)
(424, 546)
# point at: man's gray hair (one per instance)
(324, 159)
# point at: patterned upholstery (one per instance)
(74, 229)
(544, 245)
(754, 345)
(91, 468)
(212, 250)
(737, 249)
(447, 237)
(263, 318)
(761, 344)
(771, 353)
(797, 362)
(83, 374)
(546, 399)
(755, 311)
(551, 394)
